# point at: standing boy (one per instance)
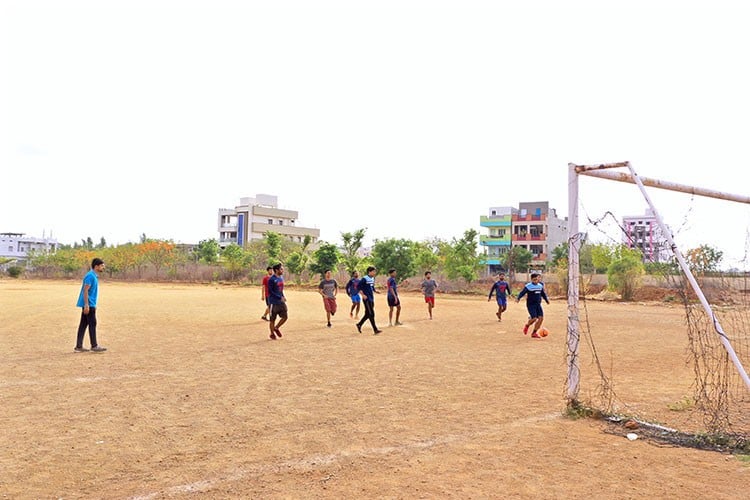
(328, 288)
(429, 286)
(367, 290)
(393, 300)
(500, 288)
(277, 301)
(264, 292)
(534, 292)
(352, 290)
(87, 300)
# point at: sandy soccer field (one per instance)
(193, 400)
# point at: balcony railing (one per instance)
(518, 217)
(529, 237)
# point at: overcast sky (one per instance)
(408, 118)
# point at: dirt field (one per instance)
(193, 400)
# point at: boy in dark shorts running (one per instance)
(534, 292)
(501, 289)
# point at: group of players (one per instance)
(362, 292)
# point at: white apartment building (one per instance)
(644, 233)
(18, 246)
(253, 217)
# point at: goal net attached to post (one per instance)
(721, 386)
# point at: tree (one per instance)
(273, 246)
(296, 263)
(427, 254)
(602, 256)
(352, 243)
(208, 251)
(704, 259)
(558, 253)
(157, 252)
(517, 259)
(398, 254)
(235, 259)
(625, 271)
(463, 260)
(326, 257)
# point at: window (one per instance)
(281, 222)
(270, 222)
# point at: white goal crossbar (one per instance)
(574, 245)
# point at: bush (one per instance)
(15, 271)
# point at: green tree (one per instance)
(296, 263)
(427, 254)
(235, 260)
(208, 251)
(704, 259)
(463, 261)
(602, 256)
(273, 246)
(517, 260)
(625, 271)
(560, 252)
(352, 243)
(327, 256)
(398, 254)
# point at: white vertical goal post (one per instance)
(603, 171)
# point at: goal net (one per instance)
(673, 356)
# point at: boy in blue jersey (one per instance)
(87, 300)
(501, 289)
(393, 300)
(277, 301)
(534, 292)
(367, 290)
(352, 290)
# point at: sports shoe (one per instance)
(377, 331)
(272, 336)
(80, 349)
(535, 336)
(526, 329)
(264, 318)
(98, 349)
(329, 324)
(277, 332)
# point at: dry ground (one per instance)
(193, 400)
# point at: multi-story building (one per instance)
(498, 241)
(253, 217)
(644, 233)
(18, 246)
(533, 226)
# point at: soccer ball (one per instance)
(543, 332)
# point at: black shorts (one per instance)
(278, 310)
(393, 301)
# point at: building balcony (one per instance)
(529, 217)
(503, 221)
(493, 241)
(529, 237)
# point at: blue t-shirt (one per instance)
(501, 287)
(352, 287)
(367, 286)
(392, 287)
(534, 294)
(92, 280)
(276, 289)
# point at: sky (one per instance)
(408, 118)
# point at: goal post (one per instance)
(574, 244)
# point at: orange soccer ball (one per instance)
(543, 332)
